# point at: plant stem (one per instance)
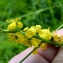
(35, 12)
(7, 31)
(59, 27)
(30, 53)
(50, 42)
(43, 40)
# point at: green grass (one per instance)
(8, 50)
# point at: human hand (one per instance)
(43, 56)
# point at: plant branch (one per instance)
(54, 43)
(30, 53)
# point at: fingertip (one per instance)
(49, 53)
(59, 56)
(60, 32)
(20, 56)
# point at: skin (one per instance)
(43, 56)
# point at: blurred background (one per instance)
(47, 13)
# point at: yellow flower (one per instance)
(20, 37)
(16, 19)
(19, 24)
(18, 41)
(44, 46)
(11, 36)
(38, 27)
(30, 32)
(35, 42)
(61, 38)
(14, 23)
(45, 33)
(56, 38)
(25, 29)
(12, 26)
(27, 43)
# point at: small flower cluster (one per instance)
(28, 37)
(14, 24)
(58, 38)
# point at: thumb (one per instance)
(59, 56)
